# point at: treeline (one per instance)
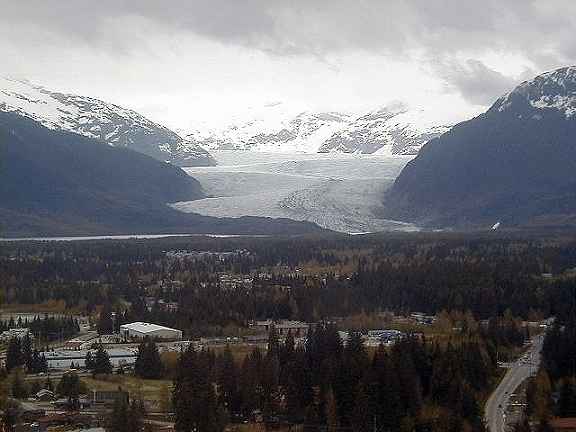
(415, 385)
(307, 279)
(47, 328)
(428, 287)
(21, 353)
(552, 392)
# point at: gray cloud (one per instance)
(442, 31)
(476, 82)
(320, 26)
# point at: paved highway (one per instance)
(495, 410)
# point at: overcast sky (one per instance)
(193, 62)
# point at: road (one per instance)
(495, 410)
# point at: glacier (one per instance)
(340, 192)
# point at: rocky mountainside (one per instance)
(274, 132)
(514, 164)
(394, 130)
(55, 183)
(93, 118)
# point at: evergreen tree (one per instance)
(194, 398)
(89, 361)
(362, 418)
(102, 363)
(19, 389)
(250, 388)
(119, 419)
(105, 323)
(567, 402)
(3, 392)
(331, 412)
(298, 385)
(523, 426)
(228, 381)
(289, 346)
(70, 387)
(27, 352)
(14, 357)
(273, 341)
(269, 379)
(136, 413)
(148, 363)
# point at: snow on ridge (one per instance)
(551, 90)
(64, 111)
(303, 133)
(94, 118)
(388, 131)
(561, 103)
(394, 129)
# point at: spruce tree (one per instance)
(331, 412)
(102, 363)
(118, 420)
(14, 357)
(89, 361)
(105, 323)
(27, 352)
(362, 417)
(69, 387)
(19, 387)
(194, 398)
(567, 402)
(228, 381)
(148, 363)
(273, 341)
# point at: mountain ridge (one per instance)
(392, 130)
(515, 163)
(94, 118)
(56, 183)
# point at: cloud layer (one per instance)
(540, 29)
(476, 49)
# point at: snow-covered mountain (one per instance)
(514, 164)
(94, 118)
(554, 90)
(274, 132)
(394, 130)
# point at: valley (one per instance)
(339, 192)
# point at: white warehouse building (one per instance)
(140, 330)
(65, 359)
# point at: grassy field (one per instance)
(138, 388)
(239, 351)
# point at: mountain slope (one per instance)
(393, 130)
(516, 163)
(274, 132)
(96, 119)
(396, 130)
(60, 183)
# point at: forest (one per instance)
(484, 291)
(305, 279)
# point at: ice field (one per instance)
(338, 192)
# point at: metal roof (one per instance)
(143, 327)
